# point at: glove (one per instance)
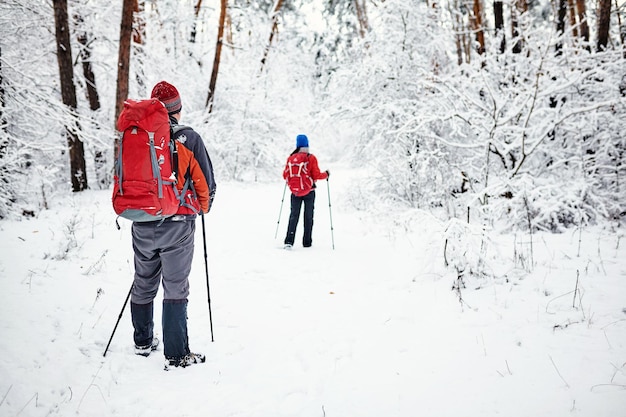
(327, 174)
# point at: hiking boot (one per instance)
(185, 361)
(147, 349)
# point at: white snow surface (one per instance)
(369, 328)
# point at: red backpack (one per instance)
(298, 178)
(145, 164)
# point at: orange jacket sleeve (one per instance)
(187, 161)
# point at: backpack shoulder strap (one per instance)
(173, 153)
(174, 131)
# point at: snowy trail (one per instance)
(370, 328)
(279, 314)
(290, 311)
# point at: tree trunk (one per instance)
(622, 30)
(192, 38)
(139, 24)
(458, 29)
(3, 125)
(518, 9)
(275, 11)
(466, 41)
(7, 187)
(123, 60)
(139, 35)
(92, 96)
(582, 21)
(573, 21)
(560, 26)
(68, 93)
(477, 25)
(459, 49)
(560, 30)
(218, 53)
(498, 12)
(85, 57)
(604, 23)
(361, 14)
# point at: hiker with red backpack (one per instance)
(301, 171)
(172, 158)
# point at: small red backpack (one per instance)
(298, 178)
(145, 164)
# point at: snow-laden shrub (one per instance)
(532, 139)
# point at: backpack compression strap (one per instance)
(300, 168)
(155, 164)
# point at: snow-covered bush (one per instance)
(532, 139)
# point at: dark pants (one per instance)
(296, 206)
(174, 322)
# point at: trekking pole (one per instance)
(118, 320)
(206, 269)
(281, 211)
(330, 213)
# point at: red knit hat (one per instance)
(168, 95)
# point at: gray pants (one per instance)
(163, 252)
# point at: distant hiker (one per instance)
(164, 248)
(301, 172)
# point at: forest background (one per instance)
(471, 143)
(509, 113)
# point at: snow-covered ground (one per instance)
(369, 328)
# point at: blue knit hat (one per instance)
(302, 141)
